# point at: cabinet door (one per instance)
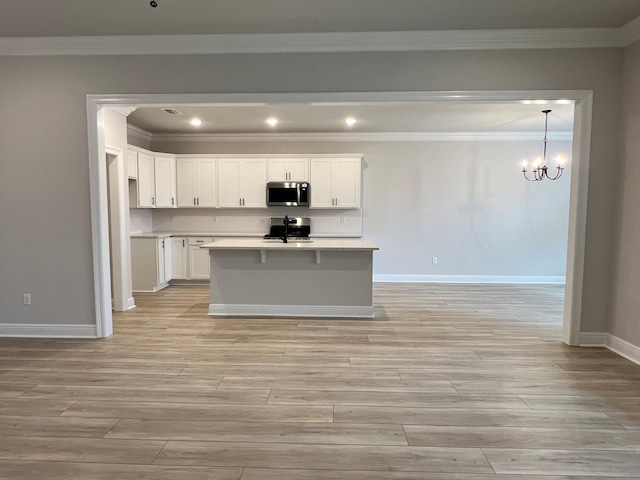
(199, 267)
(132, 164)
(299, 169)
(288, 169)
(166, 250)
(178, 258)
(160, 263)
(205, 182)
(253, 182)
(165, 182)
(321, 180)
(278, 169)
(346, 182)
(146, 181)
(229, 183)
(185, 182)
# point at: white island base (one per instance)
(323, 278)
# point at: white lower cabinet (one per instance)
(179, 258)
(150, 263)
(189, 261)
(199, 267)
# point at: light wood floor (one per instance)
(448, 382)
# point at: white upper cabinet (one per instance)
(196, 180)
(156, 179)
(146, 181)
(165, 176)
(242, 182)
(288, 169)
(335, 182)
(132, 164)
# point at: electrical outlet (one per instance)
(434, 260)
(26, 298)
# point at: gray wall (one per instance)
(464, 202)
(45, 244)
(625, 318)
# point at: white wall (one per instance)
(464, 202)
(45, 224)
(625, 318)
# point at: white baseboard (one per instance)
(131, 303)
(593, 339)
(556, 280)
(613, 343)
(47, 331)
(291, 311)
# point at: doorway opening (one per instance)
(579, 167)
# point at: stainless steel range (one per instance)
(297, 229)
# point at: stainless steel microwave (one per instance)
(288, 194)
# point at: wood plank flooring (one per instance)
(451, 382)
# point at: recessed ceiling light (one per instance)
(196, 122)
(273, 121)
(350, 121)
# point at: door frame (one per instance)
(578, 191)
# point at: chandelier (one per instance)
(539, 167)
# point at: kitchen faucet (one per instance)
(286, 229)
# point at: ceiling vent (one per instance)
(171, 111)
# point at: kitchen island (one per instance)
(316, 278)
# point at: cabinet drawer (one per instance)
(200, 240)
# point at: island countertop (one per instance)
(275, 244)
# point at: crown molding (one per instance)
(354, 137)
(139, 133)
(124, 110)
(630, 33)
(321, 42)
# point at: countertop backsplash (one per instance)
(250, 221)
(140, 220)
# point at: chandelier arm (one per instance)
(536, 177)
(558, 174)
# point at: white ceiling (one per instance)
(26, 18)
(371, 118)
(137, 17)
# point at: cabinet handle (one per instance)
(198, 201)
(194, 200)
(183, 243)
(172, 201)
(240, 202)
(336, 201)
(153, 200)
